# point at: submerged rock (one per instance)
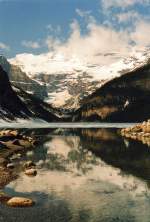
(20, 202)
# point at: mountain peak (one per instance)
(67, 78)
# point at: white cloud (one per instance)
(82, 13)
(122, 3)
(128, 16)
(31, 44)
(4, 46)
(56, 30)
(141, 34)
(98, 40)
(52, 42)
(86, 15)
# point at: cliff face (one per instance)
(15, 103)
(10, 105)
(69, 80)
(19, 79)
(126, 98)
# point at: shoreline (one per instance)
(13, 146)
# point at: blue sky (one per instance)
(26, 25)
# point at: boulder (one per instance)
(29, 164)
(25, 143)
(20, 202)
(15, 156)
(14, 133)
(10, 165)
(31, 172)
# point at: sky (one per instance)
(81, 28)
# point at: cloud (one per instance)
(54, 30)
(98, 40)
(141, 34)
(101, 43)
(52, 43)
(122, 3)
(3, 46)
(128, 16)
(101, 40)
(86, 15)
(31, 44)
(82, 13)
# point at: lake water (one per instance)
(84, 175)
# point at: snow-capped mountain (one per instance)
(17, 104)
(20, 79)
(69, 80)
(123, 99)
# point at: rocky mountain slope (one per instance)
(123, 99)
(15, 103)
(19, 78)
(83, 91)
(69, 80)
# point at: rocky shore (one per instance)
(140, 132)
(12, 147)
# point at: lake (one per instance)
(84, 175)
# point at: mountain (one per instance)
(21, 80)
(123, 99)
(69, 81)
(15, 103)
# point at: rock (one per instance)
(14, 133)
(3, 161)
(10, 165)
(16, 142)
(2, 145)
(34, 142)
(9, 144)
(31, 172)
(4, 133)
(40, 162)
(25, 143)
(15, 156)
(29, 164)
(20, 202)
(30, 153)
(139, 132)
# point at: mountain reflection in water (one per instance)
(84, 175)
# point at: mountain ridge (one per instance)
(71, 79)
(17, 104)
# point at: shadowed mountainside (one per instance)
(15, 103)
(123, 99)
(19, 79)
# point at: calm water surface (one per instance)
(84, 175)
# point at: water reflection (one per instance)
(85, 175)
